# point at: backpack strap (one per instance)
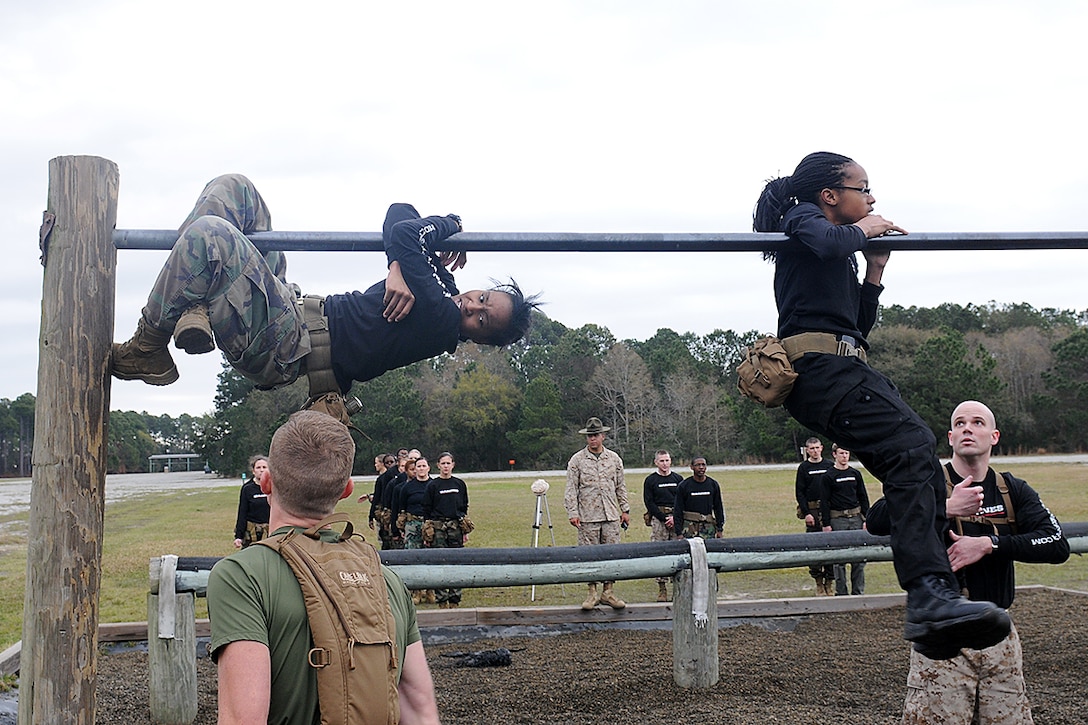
(351, 623)
(1002, 487)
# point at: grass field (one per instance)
(757, 502)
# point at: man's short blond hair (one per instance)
(310, 460)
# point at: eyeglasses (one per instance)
(863, 189)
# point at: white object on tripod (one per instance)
(540, 487)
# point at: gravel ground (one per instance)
(835, 668)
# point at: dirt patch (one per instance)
(842, 668)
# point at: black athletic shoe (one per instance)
(941, 620)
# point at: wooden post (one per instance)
(172, 693)
(64, 549)
(694, 648)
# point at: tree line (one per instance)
(521, 406)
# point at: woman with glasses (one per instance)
(824, 313)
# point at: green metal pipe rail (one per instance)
(439, 568)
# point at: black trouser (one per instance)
(860, 409)
(819, 571)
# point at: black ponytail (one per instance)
(816, 172)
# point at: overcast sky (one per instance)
(560, 116)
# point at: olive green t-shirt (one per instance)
(254, 596)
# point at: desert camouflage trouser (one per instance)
(948, 691)
(448, 535)
(254, 314)
(591, 533)
(659, 532)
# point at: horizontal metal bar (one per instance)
(606, 242)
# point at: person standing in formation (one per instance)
(445, 519)
(659, 495)
(251, 524)
(379, 514)
(408, 510)
(698, 510)
(808, 489)
(844, 504)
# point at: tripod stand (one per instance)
(542, 510)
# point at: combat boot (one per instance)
(943, 622)
(662, 592)
(609, 597)
(193, 333)
(144, 357)
(592, 599)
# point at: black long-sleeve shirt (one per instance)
(409, 497)
(364, 344)
(252, 506)
(1038, 538)
(816, 277)
(445, 498)
(658, 491)
(380, 483)
(841, 490)
(808, 486)
(389, 491)
(699, 497)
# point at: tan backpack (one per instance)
(351, 623)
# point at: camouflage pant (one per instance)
(598, 532)
(256, 320)
(658, 532)
(448, 535)
(702, 529)
(591, 533)
(254, 532)
(413, 534)
(949, 691)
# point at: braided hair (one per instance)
(816, 172)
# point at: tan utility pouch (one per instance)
(766, 374)
(336, 405)
(354, 633)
